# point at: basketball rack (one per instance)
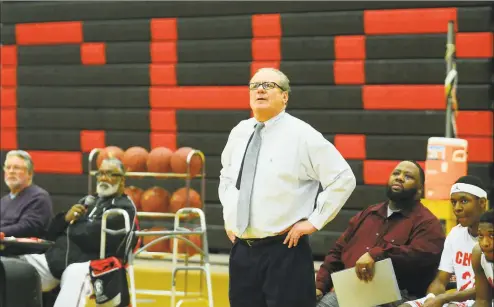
(178, 233)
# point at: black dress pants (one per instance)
(269, 274)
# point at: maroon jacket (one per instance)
(413, 239)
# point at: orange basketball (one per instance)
(162, 246)
(109, 152)
(135, 159)
(135, 194)
(179, 162)
(179, 198)
(155, 199)
(159, 160)
(184, 248)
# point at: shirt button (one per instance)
(367, 248)
(377, 234)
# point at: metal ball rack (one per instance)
(178, 233)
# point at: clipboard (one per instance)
(352, 292)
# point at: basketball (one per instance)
(135, 159)
(179, 162)
(162, 246)
(109, 152)
(179, 198)
(155, 199)
(184, 248)
(159, 160)
(135, 193)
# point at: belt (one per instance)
(262, 241)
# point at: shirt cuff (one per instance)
(317, 221)
(377, 253)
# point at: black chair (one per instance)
(20, 284)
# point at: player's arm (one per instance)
(457, 296)
(438, 285)
(483, 294)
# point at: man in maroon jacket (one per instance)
(400, 228)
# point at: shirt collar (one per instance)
(382, 209)
(272, 121)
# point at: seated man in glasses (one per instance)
(26, 210)
(77, 234)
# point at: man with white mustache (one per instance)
(76, 234)
(26, 210)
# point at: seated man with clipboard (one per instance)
(401, 229)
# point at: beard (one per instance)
(14, 183)
(404, 198)
(104, 189)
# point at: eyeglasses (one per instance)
(265, 85)
(108, 174)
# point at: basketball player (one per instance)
(469, 201)
(483, 261)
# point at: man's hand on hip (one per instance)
(364, 267)
(230, 235)
(297, 231)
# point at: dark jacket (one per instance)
(84, 235)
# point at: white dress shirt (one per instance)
(293, 159)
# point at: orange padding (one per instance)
(349, 47)
(163, 29)
(474, 45)
(266, 49)
(8, 97)
(8, 118)
(480, 149)
(92, 139)
(163, 120)
(164, 139)
(93, 54)
(61, 162)
(403, 97)
(200, 97)
(351, 146)
(377, 172)
(8, 55)
(8, 76)
(8, 138)
(266, 25)
(475, 123)
(409, 21)
(164, 52)
(49, 33)
(349, 72)
(163, 74)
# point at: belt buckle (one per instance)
(249, 242)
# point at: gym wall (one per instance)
(77, 75)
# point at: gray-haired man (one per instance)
(27, 210)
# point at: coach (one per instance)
(272, 166)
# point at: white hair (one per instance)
(24, 156)
(284, 81)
